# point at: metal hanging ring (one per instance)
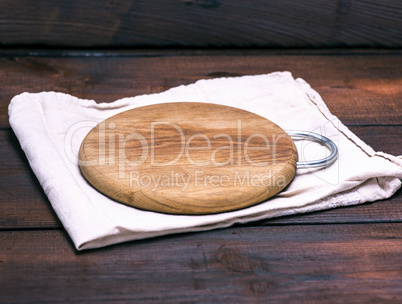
(325, 162)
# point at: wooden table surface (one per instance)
(344, 255)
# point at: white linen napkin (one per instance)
(51, 126)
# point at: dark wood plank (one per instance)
(359, 89)
(201, 23)
(381, 138)
(328, 263)
(24, 205)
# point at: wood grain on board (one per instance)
(188, 158)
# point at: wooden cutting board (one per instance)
(188, 158)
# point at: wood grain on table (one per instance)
(201, 23)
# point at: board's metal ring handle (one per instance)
(324, 162)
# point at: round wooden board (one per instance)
(188, 158)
